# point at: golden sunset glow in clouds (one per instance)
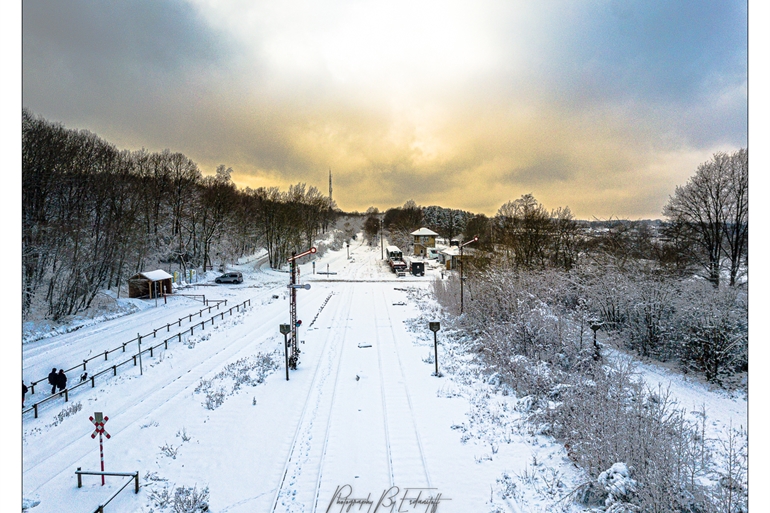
(600, 106)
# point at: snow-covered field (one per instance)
(361, 419)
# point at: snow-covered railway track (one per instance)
(407, 455)
(295, 481)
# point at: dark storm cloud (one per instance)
(121, 63)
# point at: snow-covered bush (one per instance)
(247, 371)
(619, 485)
(67, 411)
(712, 330)
(169, 450)
(530, 332)
(184, 499)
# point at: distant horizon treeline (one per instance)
(706, 231)
(93, 215)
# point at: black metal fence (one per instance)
(122, 347)
(133, 475)
(133, 358)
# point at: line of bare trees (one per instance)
(94, 215)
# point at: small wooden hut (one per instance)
(150, 284)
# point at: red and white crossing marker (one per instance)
(98, 419)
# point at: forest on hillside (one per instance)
(94, 215)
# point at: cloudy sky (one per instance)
(600, 105)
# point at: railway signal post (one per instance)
(434, 327)
(98, 420)
(293, 286)
(285, 329)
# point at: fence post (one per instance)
(190, 319)
(105, 355)
(180, 336)
(150, 351)
(192, 330)
(80, 478)
(134, 360)
(165, 344)
(136, 482)
(168, 327)
(153, 332)
(32, 388)
(34, 406)
(124, 346)
(114, 370)
(66, 395)
(93, 384)
(84, 364)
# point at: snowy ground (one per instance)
(361, 418)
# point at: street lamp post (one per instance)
(474, 239)
(285, 329)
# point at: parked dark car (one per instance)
(231, 277)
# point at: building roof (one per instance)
(455, 251)
(424, 231)
(156, 275)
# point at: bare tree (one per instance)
(711, 213)
(737, 230)
(525, 225)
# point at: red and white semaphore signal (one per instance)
(98, 419)
(293, 286)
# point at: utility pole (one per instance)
(382, 242)
(474, 239)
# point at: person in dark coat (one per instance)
(52, 379)
(61, 380)
(23, 392)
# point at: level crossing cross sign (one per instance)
(98, 419)
(99, 423)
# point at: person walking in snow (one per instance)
(61, 380)
(23, 392)
(52, 380)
